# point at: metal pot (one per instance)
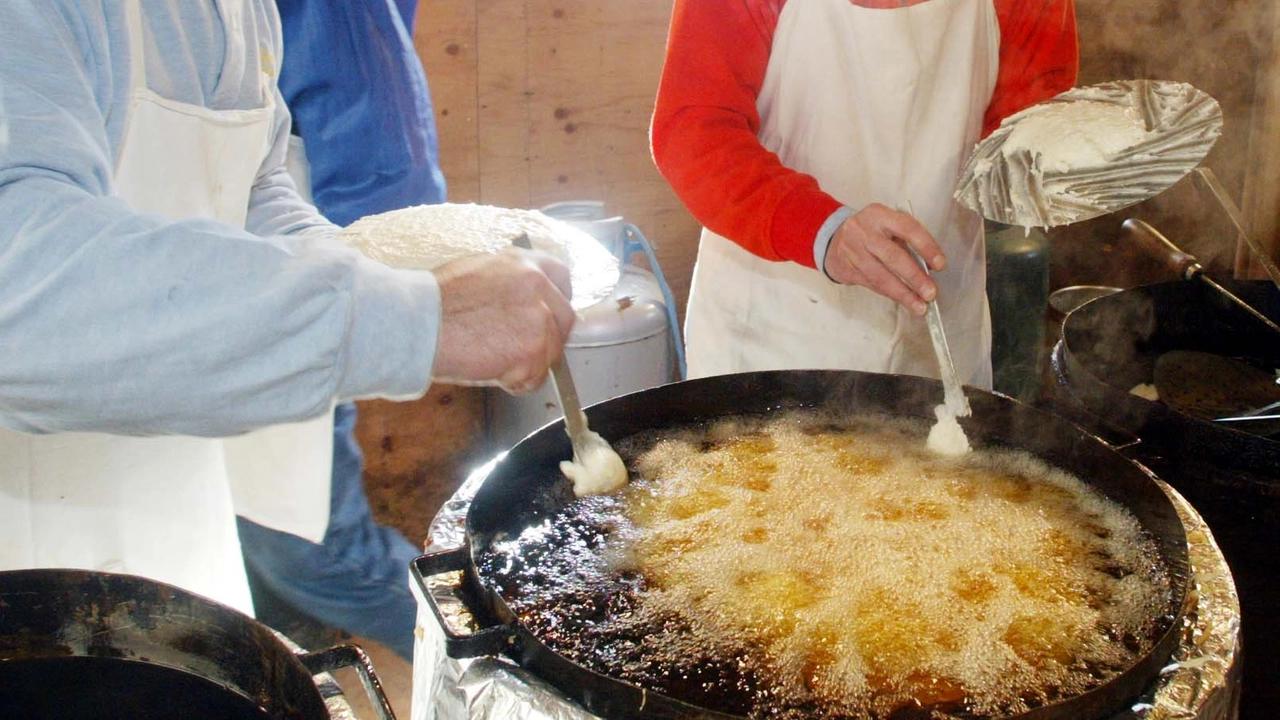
(525, 487)
(1231, 477)
(1111, 345)
(76, 644)
(1065, 300)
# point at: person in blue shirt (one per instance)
(363, 120)
(165, 294)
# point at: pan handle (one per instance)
(1161, 248)
(352, 656)
(493, 640)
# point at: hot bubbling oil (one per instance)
(792, 565)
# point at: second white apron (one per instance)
(880, 105)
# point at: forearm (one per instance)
(120, 322)
(705, 126)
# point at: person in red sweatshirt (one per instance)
(813, 139)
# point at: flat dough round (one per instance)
(425, 237)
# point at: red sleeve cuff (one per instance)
(795, 224)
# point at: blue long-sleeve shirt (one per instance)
(361, 103)
(118, 321)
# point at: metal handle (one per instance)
(492, 640)
(1187, 266)
(952, 392)
(1258, 413)
(1160, 247)
(575, 422)
(352, 656)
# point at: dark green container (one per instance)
(1018, 292)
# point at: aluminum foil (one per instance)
(1009, 181)
(1201, 683)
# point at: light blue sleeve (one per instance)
(118, 321)
(822, 241)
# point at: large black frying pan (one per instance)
(78, 644)
(1112, 344)
(525, 487)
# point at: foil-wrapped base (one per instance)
(1202, 682)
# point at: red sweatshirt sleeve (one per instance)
(704, 132)
(1039, 55)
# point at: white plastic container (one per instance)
(619, 345)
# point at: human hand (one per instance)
(505, 318)
(867, 250)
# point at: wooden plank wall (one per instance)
(543, 101)
(536, 102)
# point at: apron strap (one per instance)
(137, 58)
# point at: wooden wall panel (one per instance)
(502, 82)
(445, 38)
(542, 101)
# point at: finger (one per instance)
(898, 261)
(527, 384)
(557, 271)
(909, 229)
(565, 318)
(555, 335)
(882, 280)
(522, 380)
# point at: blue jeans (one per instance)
(357, 580)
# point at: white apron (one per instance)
(880, 105)
(159, 507)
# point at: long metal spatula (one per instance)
(575, 421)
(599, 467)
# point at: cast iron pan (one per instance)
(78, 644)
(525, 487)
(1114, 343)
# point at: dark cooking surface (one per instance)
(117, 640)
(76, 688)
(521, 479)
(573, 602)
(559, 578)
